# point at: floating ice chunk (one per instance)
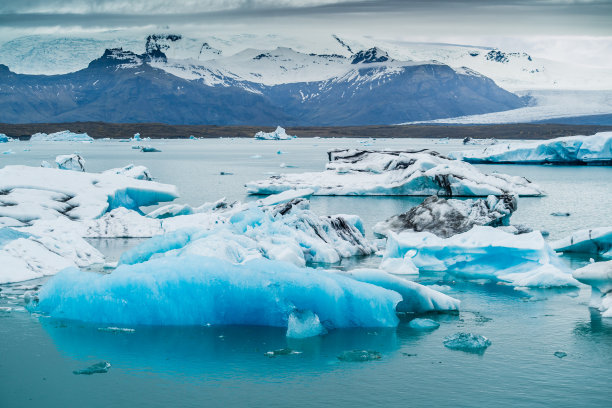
(135, 172)
(470, 141)
(469, 342)
(560, 354)
(400, 266)
(596, 149)
(33, 193)
(281, 352)
(303, 324)
(598, 275)
(116, 329)
(285, 196)
(359, 356)
(419, 173)
(423, 324)
(4, 138)
(149, 149)
(25, 256)
(194, 290)
(278, 134)
(593, 241)
(70, 162)
(136, 137)
(45, 164)
(485, 253)
(445, 218)
(560, 214)
(98, 368)
(416, 298)
(63, 136)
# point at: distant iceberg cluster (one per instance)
(278, 134)
(63, 136)
(590, 150)
(399, 173)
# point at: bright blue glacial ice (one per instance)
(4, 138)
(193, 290)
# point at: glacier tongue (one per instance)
(418, 173)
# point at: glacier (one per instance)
(278, 134)
(195, 290)
(416, 173)
(25, 256)
(63, 136)
(589, 150)
(483, 252)
(598, 275)
(70, 162)
(592, 241)
(445, 218)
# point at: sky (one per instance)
(557, 29)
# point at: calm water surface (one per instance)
(225, 366)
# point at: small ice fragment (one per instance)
(149, 149)
(116, 329)
(560, 214)
(303, 324)
(45, 164)
(281, 352)
(359, 355)
(560, 354)
(469, 342)
(98, 368)
(423, 324)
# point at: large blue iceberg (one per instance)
(593, 150)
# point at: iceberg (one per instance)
(4, 138)
(36, 193)
(592, 150)
(63, 136)
(445, 218)
(70, 162)
(410, 173)
(524, 260)
(149, 149)
(278, 134)
(195, 290)
(423, 324)
(135, 172)
(25, 256)
(598, 275)
(592, 241)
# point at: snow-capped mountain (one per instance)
(251, 87)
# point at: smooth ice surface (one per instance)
(278, 134)
(524, 260)
(593, 240)
(63, 136)
(469, 342)
(423, 324)
(26, 256)
(70, 162)
(598, 275)
(402, 173)
(194, 290)
(445, 218)
(33, 193)
(596, 149)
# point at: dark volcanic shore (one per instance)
(99, 130)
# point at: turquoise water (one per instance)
(226, 366)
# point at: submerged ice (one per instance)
(417, 173)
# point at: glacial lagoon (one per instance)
(530, 330)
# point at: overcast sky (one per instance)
(555, 27)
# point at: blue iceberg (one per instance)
(591, 241)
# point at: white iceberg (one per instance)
(133, 171)
(278, 134)
(524, 260)
(35, 193)
(72, 162)
(594, 150)
(25, 256)
(409, 173)
(598, 275)
(194, 290)
(63, 136)
(593, 241)
(4, 138)
(449, 217)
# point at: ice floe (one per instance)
(596, 149)
(63, 136)
(417, 173)
(593, 241)
(468, 342)
(598, 275)
(445, 218)
(524, 260)
(72, 162)
(133, 171)
(25, 256)
(278, 134)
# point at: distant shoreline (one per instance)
(100, 130)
